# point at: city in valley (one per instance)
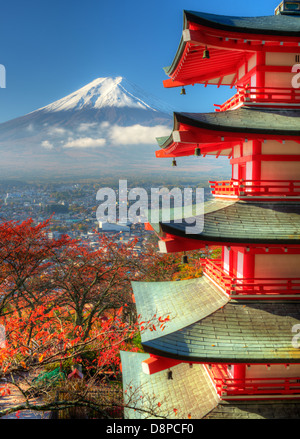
(70, 207)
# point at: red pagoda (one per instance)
(230, 348)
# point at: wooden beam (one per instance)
(233, 81)
(220, 81)
(178, 244)
(156, 364)
(254, 43)
(184, 137)
(199, 38)
(266, 158)
(170, 83)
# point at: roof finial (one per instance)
(288, 7)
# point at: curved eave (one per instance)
(237, 333)
(144, 389)
(245, 121)
(257, 409)
(192, 391)
(223, 238)
(218, 131)
(173, 243)
(280, 25)
(162, 299)
(236, 222)
(228, 39)
(183, 142)
(219, 70)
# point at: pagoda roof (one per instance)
(243, 222)
(288, 25)
(190, 391)
(270, 409)
(245, 120)
(173, 299)
(229, 39)
(215, 130)
(239, 332)
(205, 326)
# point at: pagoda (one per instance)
(230, 347)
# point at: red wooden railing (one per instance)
(213, 269)
(234, 102)
(240, 288)
(227, 386)
(262, 96)
(252, 188)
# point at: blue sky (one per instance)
(51, 48)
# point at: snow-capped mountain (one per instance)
(108, 126)
(108, 92)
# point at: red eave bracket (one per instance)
(162, 154)
(156, 364)
(169, 83)
(178, 244)
(149, 227)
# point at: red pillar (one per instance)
(249, 265)
(236, 378)
(260, 75)
(256, 165)
(239, 374)
(233, 262)
(239, 371)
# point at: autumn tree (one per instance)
(41, 349)
(172, 266)
(63, 304)
(93, 282)
(26, 261)
(60, 302)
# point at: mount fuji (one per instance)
(105, 127)
(107, 93)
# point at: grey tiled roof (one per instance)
(271, 409)
(205, 326)
(257, 332)
(242, 120)
(184, 301)
(246, 120)
(279, 25)
(190, 391)
(241, 221)
(270, 25)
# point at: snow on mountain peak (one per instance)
(108, 92)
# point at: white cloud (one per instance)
(85, 142)
(30, 128)
(137, 134)
(57, 130)
(104, 124)
(46, 144)
(84, 126)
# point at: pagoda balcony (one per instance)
(228, 387)
(250, 288)
(255, 188)
(262, 97)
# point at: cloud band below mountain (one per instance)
(104, 134)
(136, 134)
(85, 142)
